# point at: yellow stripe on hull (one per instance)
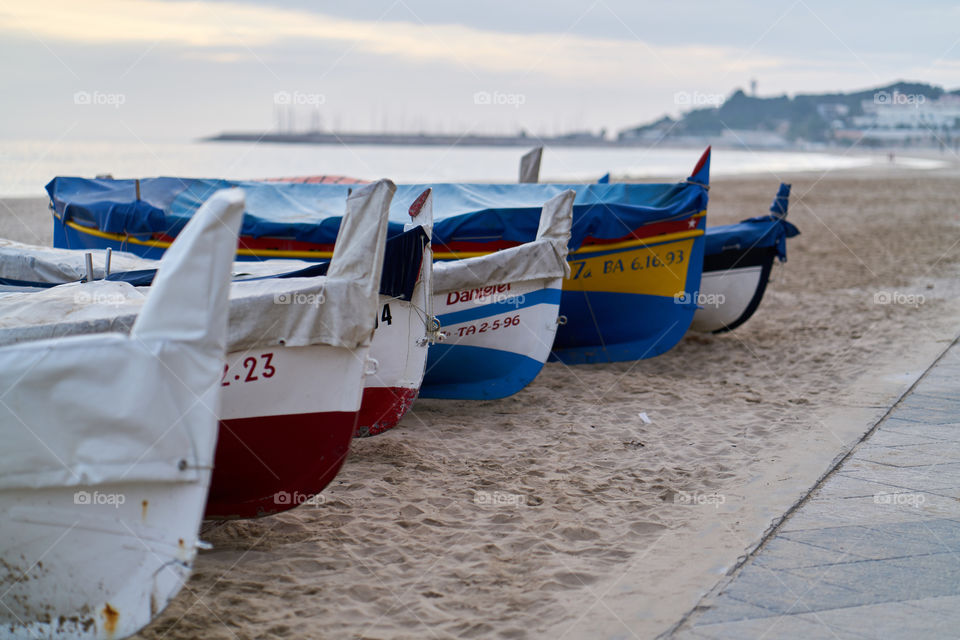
(660, 270)
(162, 244)
(651, 266)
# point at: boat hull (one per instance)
(629, 302)
(495, 344)
(382, 408)
(732, 290)
(399, 348)
(127, 541)
(267, 461)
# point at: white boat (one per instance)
(108, 444)
(405, 330)
(297, 356)
(499, 312)
(737, 264)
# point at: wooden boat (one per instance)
(737, 265)
(737, 262)
(499, 312)
(108, 443)
(297, 356)
(636, 257)
(404, 320)
(405, 331)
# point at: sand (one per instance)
(560, 512)
(26, 220)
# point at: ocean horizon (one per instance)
(27, 165)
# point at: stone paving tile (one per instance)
(882, 541)
(842, 486)
(893, 580)
(943, 402)
(894, 438)
(887, 620)
(952, 492)
(787, 552)
(918, 455)
(913, 619)
(941, 386)
(946, 608)
(941, 476)
(783, 591)
(772, 628)
(923, 432)
(818, 514)
(929, 416)
(940, 536)
(945, 390)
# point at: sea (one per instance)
(27, 165)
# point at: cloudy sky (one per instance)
(170, 70)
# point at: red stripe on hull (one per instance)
(382, 408)
(271, 464)
(286, 244)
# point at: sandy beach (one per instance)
(561, 512)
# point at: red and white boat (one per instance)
(405, 330)
(405, 324)
(297, 355)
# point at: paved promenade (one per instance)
(875, 551)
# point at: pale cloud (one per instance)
(234, 30)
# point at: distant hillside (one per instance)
(804, 117)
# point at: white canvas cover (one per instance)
(44, 264)
(337, 309)
(92, 410)
(545, 257)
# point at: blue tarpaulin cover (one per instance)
(311, 212)
(756, 233)
(402, 258)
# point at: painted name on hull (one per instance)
(454, 297)
(659, 270)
